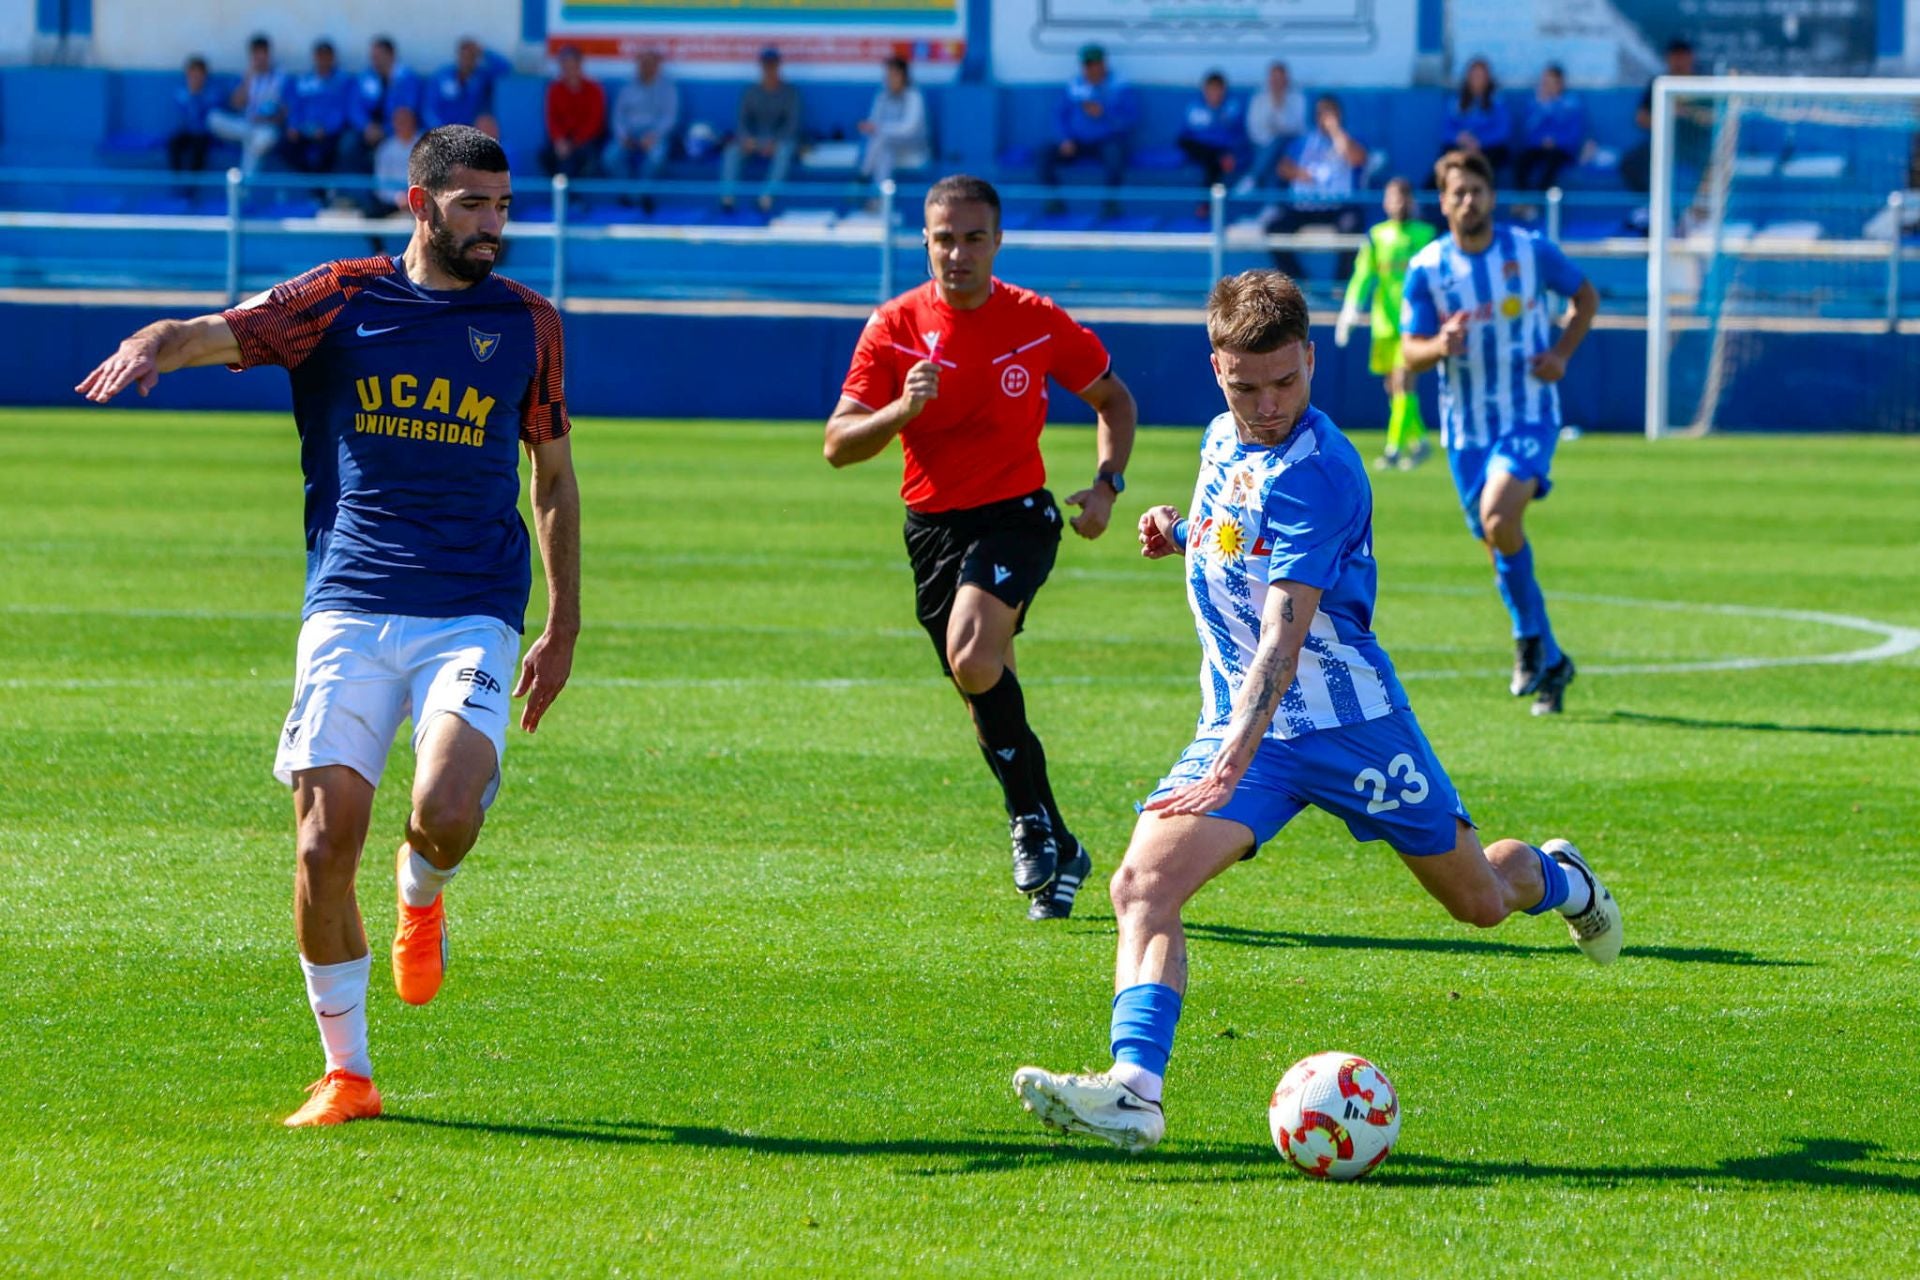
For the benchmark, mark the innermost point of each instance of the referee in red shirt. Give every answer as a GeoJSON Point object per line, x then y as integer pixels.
{"type": "Point", "coordinates": [957, 368]}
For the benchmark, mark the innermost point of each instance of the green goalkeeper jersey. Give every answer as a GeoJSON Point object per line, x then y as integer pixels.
{"type": "Point", "coordinates": [1382, 268]}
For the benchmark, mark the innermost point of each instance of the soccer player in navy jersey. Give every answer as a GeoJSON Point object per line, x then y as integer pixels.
{"type": "Point", "coordinates": [1476, 304]}
{"type": "Point", "coordinates": [415, 381]}
{"type": "Point", "coordinates": [1299, 706]}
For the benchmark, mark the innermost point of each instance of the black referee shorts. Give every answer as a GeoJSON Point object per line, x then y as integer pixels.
{"type": "Point", "coordinates": [1005, 548]}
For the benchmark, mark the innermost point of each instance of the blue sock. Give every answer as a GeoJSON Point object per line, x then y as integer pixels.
{"type": "Point", "coordinates": [1144, 1017]}
{"type": "Point", "coordinates": [1525, 605]}
{"type": "Point", "coordinates": [1556, 877]}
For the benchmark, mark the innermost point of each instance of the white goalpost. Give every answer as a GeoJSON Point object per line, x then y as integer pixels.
{"type": "Point", "coordinates": [1778, 220]}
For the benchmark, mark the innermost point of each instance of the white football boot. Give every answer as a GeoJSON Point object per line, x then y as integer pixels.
{"type": "Point", "coordinates": [1096, 1105]}
{"type": "Point", "coordinates": [1596, 931]}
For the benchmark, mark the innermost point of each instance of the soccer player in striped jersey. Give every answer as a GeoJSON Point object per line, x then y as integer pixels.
{"type": "Point", "coordinates": [417, 381]}
{"type": "Point", "coordinates": [1299, 705]}
{"type": "Point", "coordinates": [1477, 305]}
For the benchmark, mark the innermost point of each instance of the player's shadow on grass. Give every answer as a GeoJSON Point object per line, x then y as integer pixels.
{"type": "Point", "coordinates": [1753, 726]}
{"type": "Point", "coordinates": [1806, 1162]}
{"type": "Point", "coordinates": [1471, 946]}
{"type": "Point", "coordinates": [1809, 1162]}
{"type": "Point", "coordinates": [953, 1155]}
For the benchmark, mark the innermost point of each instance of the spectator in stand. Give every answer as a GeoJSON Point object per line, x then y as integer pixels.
{"type": "Point", "coordinates": [1094, 121]}
{"type": "Point", "coordinates": [1476, 122]}
{"type": "Point", "coordinates": [390, 160]}
{"type": "Point", "coordinates": [1214, 128]}
{"type": "Point", "coordinates": [257, 109]}
{"type": "Point", "coordinates": [576, 120]}
{"type": "Point", "coordinates": [769, 125]}
{"type": "Point", "coordinates": [1554, 134]}
{"type": "Point", "coordinates": [462, 91]}
{"type": "Point", "coordinates": [644, 116]}
{"type": "Point", "coordinates": [193, 102]}
{"type": "Point", "coordinates": [1276, 120]}
{"type": "Point", "coordinates": [1322, 172]}
{"type": "Point", "coordinates": [383, 88]}
{"type": "Point", "coordinates": [896, 125]}
{"type": "Point", "coordinates": [317, 113]}
{"type": "Point", "coordinates": [1691, 134]}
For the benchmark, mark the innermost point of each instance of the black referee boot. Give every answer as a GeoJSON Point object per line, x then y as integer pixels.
{"type": "Point", "coordinates": [1055, 902]}
{"type": "Point", "coordinates": [1036, 855]}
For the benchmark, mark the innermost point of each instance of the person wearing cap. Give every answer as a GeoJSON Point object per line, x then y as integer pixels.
{"type": "Point", "coordinates": [1094, 121]}
{"type": "Point", "coordinates": [769, 125]}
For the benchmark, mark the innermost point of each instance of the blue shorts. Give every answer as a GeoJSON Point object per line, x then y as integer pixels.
{"type": "Point", "coordinates": [1379, 777]}
{"type": "Point", "coordinates": [1526, 454]}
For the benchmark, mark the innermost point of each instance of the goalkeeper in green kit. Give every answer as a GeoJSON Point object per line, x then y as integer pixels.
{"type": "Point", "coordinates": [1382, 269]}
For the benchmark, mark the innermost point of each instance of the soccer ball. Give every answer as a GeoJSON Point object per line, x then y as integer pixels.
{"type": "Point", "coordinates": [1334, 1115]}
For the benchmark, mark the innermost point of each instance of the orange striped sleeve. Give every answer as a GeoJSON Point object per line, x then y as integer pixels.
{"type": "Point", "coordinates": [543, 414]}
{"type": "Point", "coordinates": [284, 325]}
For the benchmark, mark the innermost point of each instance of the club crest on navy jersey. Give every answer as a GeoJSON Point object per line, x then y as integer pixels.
{"type": "Point", "coordinates": [483, 344]}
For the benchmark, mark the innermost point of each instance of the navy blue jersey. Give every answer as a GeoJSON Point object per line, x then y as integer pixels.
{"type": "Point", "coordinates": [411, 405]}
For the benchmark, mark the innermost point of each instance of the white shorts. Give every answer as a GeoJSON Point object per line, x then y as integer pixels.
{"type": "Point", "coordinates": [359, 675]}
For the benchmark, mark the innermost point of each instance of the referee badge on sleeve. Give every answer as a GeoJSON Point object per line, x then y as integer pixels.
{"type": "Point", "coordinates": [483, 344]}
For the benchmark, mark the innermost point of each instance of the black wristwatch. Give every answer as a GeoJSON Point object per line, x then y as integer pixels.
{"type": "Point", "coordinates": [1115, 481]}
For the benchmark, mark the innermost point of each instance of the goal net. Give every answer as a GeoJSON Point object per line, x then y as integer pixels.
{"type": "Point", "coordinates": [1783, 228]}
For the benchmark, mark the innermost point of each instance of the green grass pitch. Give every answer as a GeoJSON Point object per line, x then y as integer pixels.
{"type": "Point", "coordinates": [739, 977]}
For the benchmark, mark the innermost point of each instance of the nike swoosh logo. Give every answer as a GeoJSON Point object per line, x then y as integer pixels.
{"type": "Point", "coordinates": [365, 332]}
{"type": "Point", "coordinates": [1126, 1103]}
{"type": "Point", "coordinates": [343, 1013]}
{"type": "Point", "coordinates": [477, 706]}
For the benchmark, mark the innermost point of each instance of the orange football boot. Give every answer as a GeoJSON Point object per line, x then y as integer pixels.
{"type": "Point", "coordinates": [337, 1097]}
{"type": "Point", "coordinates": [419, 945]}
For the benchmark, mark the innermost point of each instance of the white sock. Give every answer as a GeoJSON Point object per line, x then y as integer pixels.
{"type": "Point", "coordinates": [421, 881]}
{"type": "Point", "coordinates": [338, 996]}
{"type": "Point", "coordinates": [1579, 893]}
{"type": "Point", "coordinates": [1137, 1078]}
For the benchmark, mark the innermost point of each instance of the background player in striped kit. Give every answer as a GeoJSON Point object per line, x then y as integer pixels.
{"type": "Point", "coordinates": [1299, 705]}
{"type": "Point", "coordinates": [1477, 304]}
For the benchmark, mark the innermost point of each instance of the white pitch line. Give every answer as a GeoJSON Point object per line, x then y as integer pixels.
{"type": "Point", "coordinates": [1894, 641]}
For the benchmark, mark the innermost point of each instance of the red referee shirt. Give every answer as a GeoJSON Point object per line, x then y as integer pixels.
{"type": "Point", "coordinates": [979, 440]}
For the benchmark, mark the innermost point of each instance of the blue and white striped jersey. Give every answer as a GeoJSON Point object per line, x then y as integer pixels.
{"type": "Point", "coordinates": [1301, 511]}
{"type": "Point", "coordinates": [1488, 392]}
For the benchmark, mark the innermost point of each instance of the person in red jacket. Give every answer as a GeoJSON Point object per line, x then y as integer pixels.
{"type": "Point", "coordinates": [576, 120]}
{"type": "Point", "coordinates": [958, 370]}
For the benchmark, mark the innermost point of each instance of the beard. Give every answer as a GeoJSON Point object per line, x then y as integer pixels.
{"type": "Point", "coordinates": [450, 254]}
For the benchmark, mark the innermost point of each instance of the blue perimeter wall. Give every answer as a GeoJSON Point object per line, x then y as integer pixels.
{"type": "Point", "coordinates": [677, 366]}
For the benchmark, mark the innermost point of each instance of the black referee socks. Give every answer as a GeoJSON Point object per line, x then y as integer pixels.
{"type": "Point", "coordinates": [1000, 715]}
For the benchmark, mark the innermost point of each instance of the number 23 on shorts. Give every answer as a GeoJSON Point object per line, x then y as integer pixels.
{"type": "Point", "coordinates": [1400, 769]}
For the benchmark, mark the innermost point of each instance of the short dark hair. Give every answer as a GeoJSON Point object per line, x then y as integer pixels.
{"type": "Point", "coordinates": [568, 51]}
{"type": "Point", "coordinates": [324, 44]}
{"type": "Point", "coordinates": [898, 63]}
{"type": "Point", "coordinates": [1256, 312]}
{"type": "Point", "coordinates": [1473, 162]}
{"type": "Point", "coordinates": [1679, 44]}
{"type": "Point", "coordinates": [259, 41]}
{"type": "Point", "coordinates": [964, 188]}
{"type": "Point", "coordinates": [1405, 184]}
{"type": "Point", "coordinates": [383, 42]}
{"type": "Point", "coordinates": [1215, 77]}
{"type": "Point", "coordinates": [452, 146]}
{"type": "Point", "coordinates": [196, 61]}
{"type": "Point", "coordinates": [1555, 70]}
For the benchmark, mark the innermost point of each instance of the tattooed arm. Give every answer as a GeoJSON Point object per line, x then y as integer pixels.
{"type": "Point", "coordinates": [1283, 629]}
